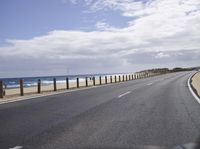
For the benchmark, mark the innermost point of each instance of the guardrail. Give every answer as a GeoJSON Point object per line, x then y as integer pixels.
{"type": "Point", "coordinates": [93, 81]}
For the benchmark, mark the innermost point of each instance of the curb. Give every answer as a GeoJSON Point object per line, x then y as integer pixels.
{"type": "Point", "coordinates": [191, 88]}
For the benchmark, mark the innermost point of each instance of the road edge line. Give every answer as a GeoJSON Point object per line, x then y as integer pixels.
{"type": "Point", "coordinates": [191, 90]}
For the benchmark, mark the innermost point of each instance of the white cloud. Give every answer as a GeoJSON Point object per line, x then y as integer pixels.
{"type": "Point", "coordinates": [162, 55]}
{"type": "Point", "coordinates": [103, 26]}
{"type": "Point", "coordinates": [157, 26]}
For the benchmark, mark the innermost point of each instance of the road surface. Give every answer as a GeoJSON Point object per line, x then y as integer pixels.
{"type": "Point", "coordinates": [156, 111]}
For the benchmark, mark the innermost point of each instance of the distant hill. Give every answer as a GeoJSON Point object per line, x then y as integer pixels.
{"type": "Point", "coordinates": [177, 69]}
{"type": "Point", "coordinates": [167, 70]}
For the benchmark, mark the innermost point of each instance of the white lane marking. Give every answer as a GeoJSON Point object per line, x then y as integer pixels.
{"type": "Point", "coordinates": [124, 94]}
{"type": "Point", "coordinates": [191, 90]}
{"type": "Point", "coordinates": [149, 84]}
{"type": "Point", "coordinates": [17, 147]}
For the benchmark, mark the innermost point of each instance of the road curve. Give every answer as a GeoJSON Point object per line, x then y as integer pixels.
{"type": "Point", "coordinates": [156, 111]}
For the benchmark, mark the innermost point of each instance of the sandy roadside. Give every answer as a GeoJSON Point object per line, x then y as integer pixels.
{"type": "Point", "coordinates": [60, 86]}
{"type": "Point", "coordinates": [31, 92]}
{"type": "Point", "coordinates": [46, 90]}
{"type": "Point", "coordinates": [196, 82]}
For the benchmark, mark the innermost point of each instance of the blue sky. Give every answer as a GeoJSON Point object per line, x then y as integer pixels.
{"type": "Point", "coordinates": [48, 37]}
{"type": "Point", "coordinates": [24, 19]}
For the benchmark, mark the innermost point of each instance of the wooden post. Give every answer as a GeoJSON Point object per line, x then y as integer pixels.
{"type": "Point", "coordinates": [123, 78]}
{"type": "Point", "coordinates": [67, 83]}
{"type": "Point", "coordinates": [119, 78]}
{"type": "Point", "coordinates": [21, 82]}
{"type": "Point", "coordinates": [39, 86]}
{"type": "Point", "coordinates": [86, 81]}
{"type": "Point", "coordinates": [94, 81]}
{"type": "Point", "coordinates": [54, 84]}
{"type": "Point", "coordinates": [1, 89]}
{"type": "Point", "coordinates": [77, 82]}
{"type": "Point", "coordinates": [110, 79]}
{"type": "Point", "coordinates": [115, 79]}
{"type": "Point", "coordinates": [106, 81]}
{"type": "Point", "coordinates": [100, 80]}
{"type": "Point", "coordinates": [126, 78]}
{"type": "Point", "coordinates": [132, 77]}
{"type": "Point", "coordinates": [129, 77]}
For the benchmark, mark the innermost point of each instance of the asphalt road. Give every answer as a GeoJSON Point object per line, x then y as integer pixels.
{"type": "Point", "coordinates": [156, 111]}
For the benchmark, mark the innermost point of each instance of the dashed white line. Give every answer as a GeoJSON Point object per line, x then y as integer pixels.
{"type": "Point", "coordinates": [149, 84]}
{"type": "Point", "coordinates": [124, 94]}
{"type": "Point", "coordinates": [17, 147]}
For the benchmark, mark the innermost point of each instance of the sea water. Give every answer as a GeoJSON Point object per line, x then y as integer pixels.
{"type": "Point", "coordinates": [47, 80]}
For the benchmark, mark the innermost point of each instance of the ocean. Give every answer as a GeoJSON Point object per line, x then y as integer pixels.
{"type": "Point", "coordinates": [46, 80]}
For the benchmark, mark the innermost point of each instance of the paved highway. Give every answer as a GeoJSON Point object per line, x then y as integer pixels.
{"type": "Point", "coordinates": [150, 112]}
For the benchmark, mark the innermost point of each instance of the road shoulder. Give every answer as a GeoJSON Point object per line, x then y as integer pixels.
{"type": "Point", "coordinates": [194, 86]}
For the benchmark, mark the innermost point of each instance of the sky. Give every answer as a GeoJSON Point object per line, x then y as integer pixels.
{"type": "Point", "coordinates": [60, 37]}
